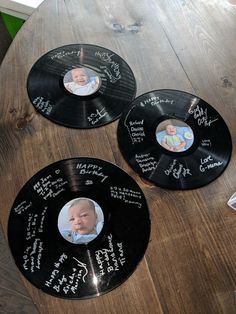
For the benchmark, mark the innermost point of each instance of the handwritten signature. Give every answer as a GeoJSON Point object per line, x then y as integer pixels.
{"type": "Point", "coordinates": [82, 265]}
{"type": "Point", "coordinates": [97, 116]}
{"type": "Point", "coordinates": [201, 115]}
{"type": "Point", "coordinates": [208, 163]}
{"type": "Point", "coordinates": [177, 170]}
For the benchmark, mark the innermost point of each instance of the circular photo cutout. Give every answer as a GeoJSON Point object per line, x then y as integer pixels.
{"type": "Point", "coordinates": [82, 81]}
{"type": "Point", "coordinates": [80, 221]}
{"type": "Point", "coordinates": [174, 135]}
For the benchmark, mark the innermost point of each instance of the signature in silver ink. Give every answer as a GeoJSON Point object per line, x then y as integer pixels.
{"type": "Point", "coordinates": [97, 116]}
{"type": "Point", "coordinates": [82, 265]}
{"type": "Point", "coordinates": [201, 115]}
{"type": "Point", "coordinates": [177, 170]}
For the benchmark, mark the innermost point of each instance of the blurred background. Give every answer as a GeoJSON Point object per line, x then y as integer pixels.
{"type": "Point", "coordinates": [5, 39]}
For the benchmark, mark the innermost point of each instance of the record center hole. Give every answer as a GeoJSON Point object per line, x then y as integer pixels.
{"type": "Point", "coordinates": [82, 81]}
{"type": "Point", "coordinates": [174, 135]}
{"type": "Point", "coordinates": [80, 220]}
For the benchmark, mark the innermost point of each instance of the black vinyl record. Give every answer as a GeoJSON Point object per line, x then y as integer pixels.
{"type": "Point", "coordinates": [81, 85]}
{"type": "Point", "coordinates": [78, 228]}
{"type": "Point", "coordinates": [174, 139]}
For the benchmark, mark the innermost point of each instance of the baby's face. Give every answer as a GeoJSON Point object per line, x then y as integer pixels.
{"type": "Point", "coordinates": [79, 76]}
{"type": "Point", "coordinates": [82, 218]}
{"type": "Point", "coordinates": [171, 129]}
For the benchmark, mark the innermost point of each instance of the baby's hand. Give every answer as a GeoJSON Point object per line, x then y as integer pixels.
{"type": "Point", "coordinates": [177, 148]}
{"type": "Point", "coordinates": [67, 86]}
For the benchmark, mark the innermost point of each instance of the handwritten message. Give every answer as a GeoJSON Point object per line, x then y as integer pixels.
{"type": "Point", "coordinates": [69, 282]}
{"type": "Point", "coordinates": [206, 143]}
{"type": "Point", "coordinates": [50, 187]}
{"type": "Point", "coordinates": [95, 117]}
{"type": "Point", "coordinates": [177, 170]}
{"type": "Point", "coordinates": [113, 79]}
{"type": "Point", "coordinates": [112, 69]}
{"type": "Point", "coordinates": [63, 54]}
{"type": "Point", "coordinates": [91, 169]}
{"type": "Point", "coordinates": [32, 256]}
{"type": "Point", "coordinates": [111, 258]}
{"type": "Point", "coordinates": [156, 101]}
{"type": "Point", "coordinates": [208, 163]}
{"type": "Point", "coordinates": [136, 130]}
{"type": "Point", "coordinates": [22, 207]}
{"type": "Point", "coordinates": [127, 195]}
{"type": "Point", "coordinates": [146, 162]}
{"type": "Point", "coordinates": [35, 224]}
{"type": "Point", "coordinates": [33, 253]}
{"type": "Point", "coordinates": [44, 105]}
{"type": "Point", "coordinates": [201, 115]}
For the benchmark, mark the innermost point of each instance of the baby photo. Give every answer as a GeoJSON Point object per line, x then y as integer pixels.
{"type": "Point", "coordinates": [174, 135]}
{"type": "Point", "coordinates": [80, 221]}
{"type": "Point", "coordinates": [81, 81]}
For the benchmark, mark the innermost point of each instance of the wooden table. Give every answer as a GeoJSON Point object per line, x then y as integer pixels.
{"type": "Point", "coordinates": [189, 266]}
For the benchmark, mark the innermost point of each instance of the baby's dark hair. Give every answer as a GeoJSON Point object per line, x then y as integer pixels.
{"type": "Point", "coordinates": [79, 200]}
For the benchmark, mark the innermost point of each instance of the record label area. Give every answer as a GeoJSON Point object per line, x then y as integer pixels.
{"type": "Point", "coordinates": [82, 81]}
{"type": "Point", "coordinates": [174, 139]}
{"type": "Point", "coordinates": [174, 135]}
{"type": "Point", "coordinates": [80, 220]}
{"type": "Point", "coordinates": [81, 85]}
{"type": "Point", "coordinates": [79, 228]}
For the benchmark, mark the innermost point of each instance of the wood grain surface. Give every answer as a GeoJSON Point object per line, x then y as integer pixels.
{"type": "Point", "coordinates": [189, 45]}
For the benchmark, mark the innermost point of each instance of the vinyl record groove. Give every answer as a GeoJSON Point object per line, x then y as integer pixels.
{"type": "Point", "coordinates": [81, 85]}
{"type": "Point", "coordinates": [105, 206]}
{"type": "Point", "coordinates": [174, 139]}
